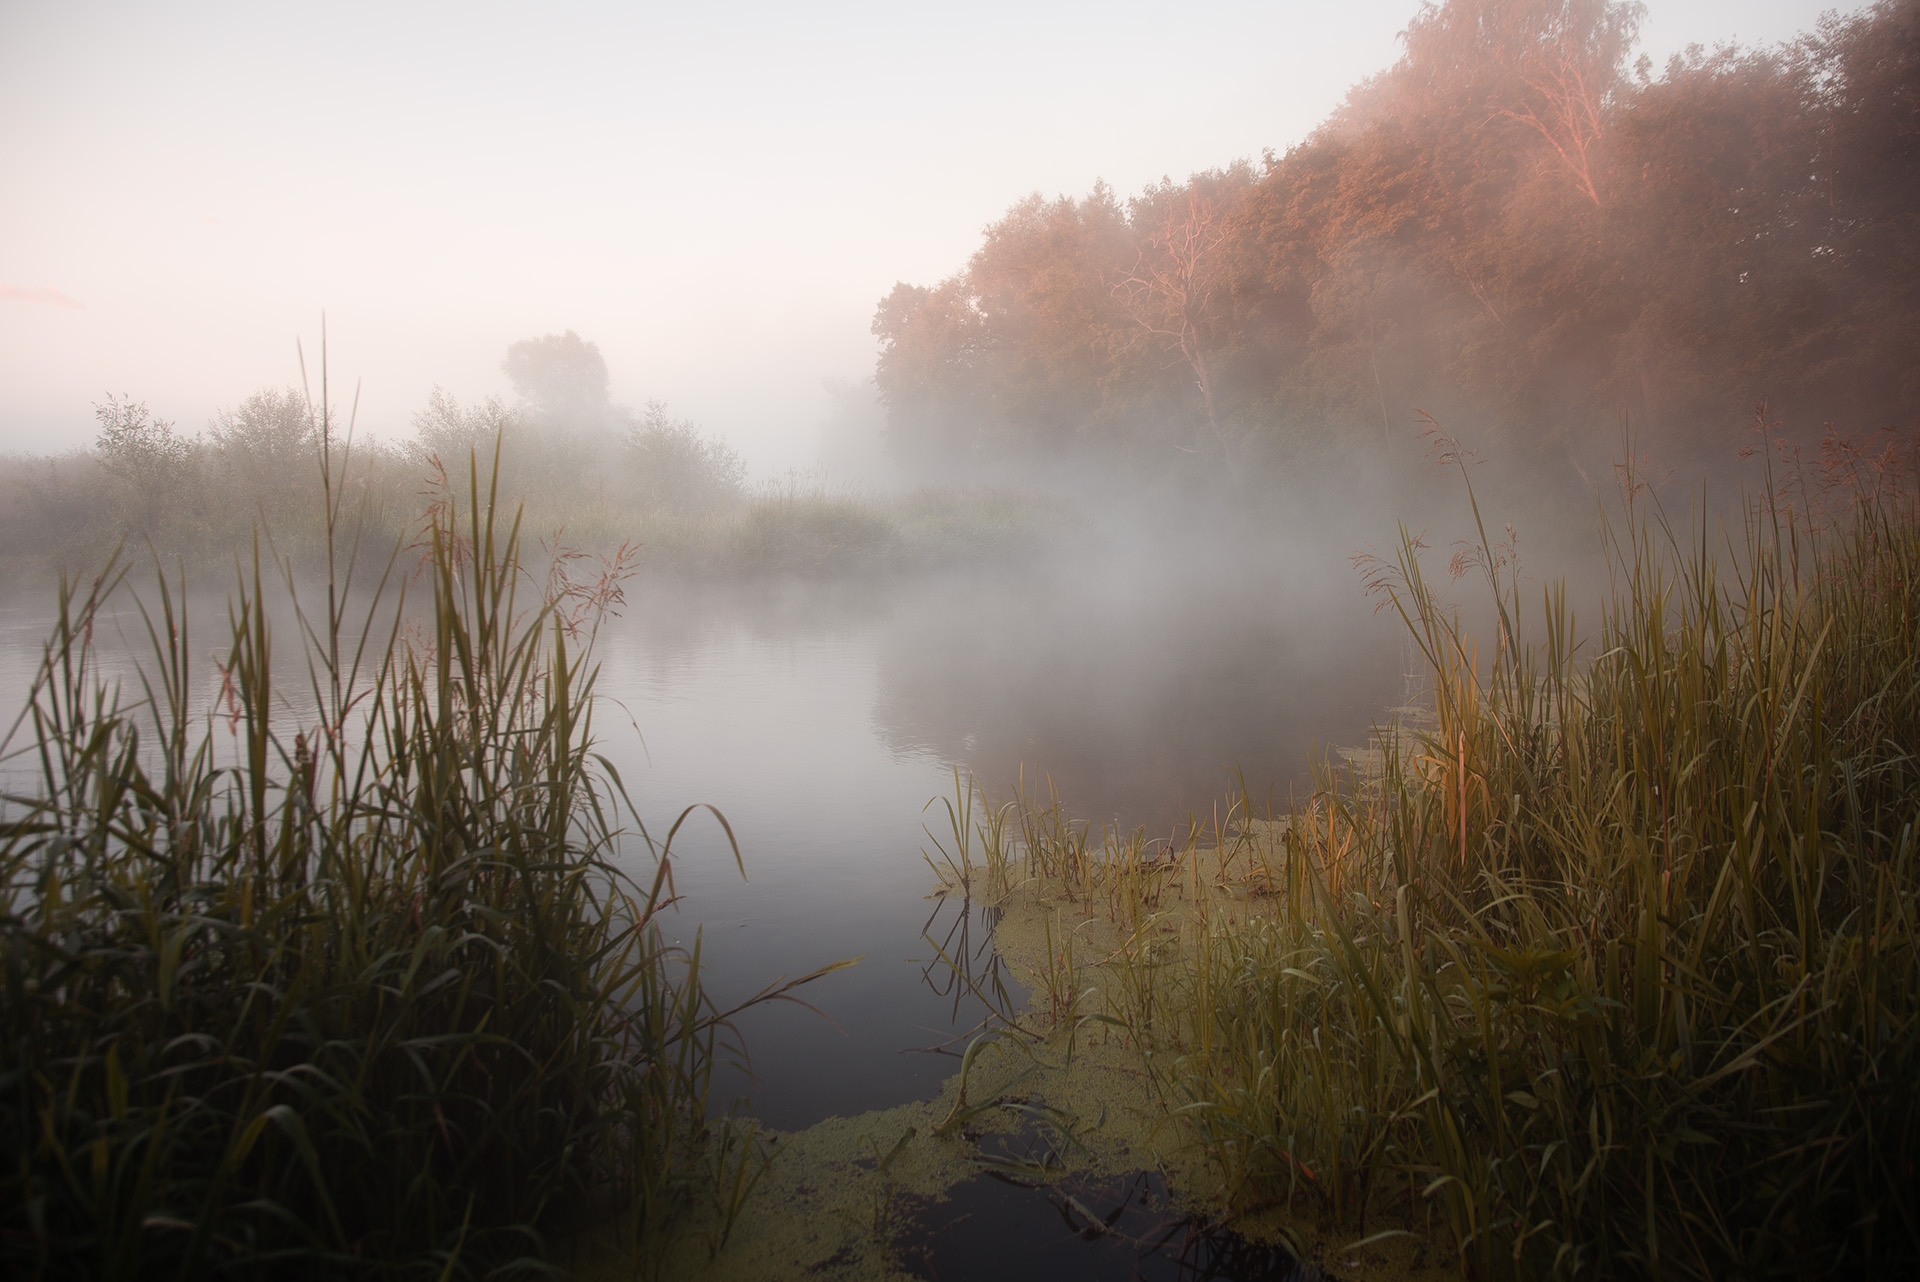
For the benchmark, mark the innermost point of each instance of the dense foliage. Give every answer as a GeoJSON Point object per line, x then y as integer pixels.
{"type": "Point", "coordinates": [1516, 225]}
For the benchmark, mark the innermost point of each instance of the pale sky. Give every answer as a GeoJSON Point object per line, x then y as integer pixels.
{"type": "Point", "coordinates": [718, 195]}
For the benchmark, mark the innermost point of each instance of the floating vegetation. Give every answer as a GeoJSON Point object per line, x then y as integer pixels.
{"type": "Point", "coordinates": [1052, 1149]}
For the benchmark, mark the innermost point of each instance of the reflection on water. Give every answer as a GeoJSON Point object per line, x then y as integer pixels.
{"type": "Point", "coordinates": [1136, 690]}
{"type": "Point", "coordinates": [122, 649]}
{"type": "Point", "coordinates": [1013, 1230]}
{"type": "Point", "coordinates": [963, 964]}
{"type": "Point", "coordinates": [820, 718]}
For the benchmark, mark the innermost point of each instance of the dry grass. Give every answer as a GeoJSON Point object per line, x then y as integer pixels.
{"type": "Point", "coordinates": [1610, 965]}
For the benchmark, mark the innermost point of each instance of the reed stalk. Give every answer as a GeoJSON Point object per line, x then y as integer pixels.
{"type": "Point", "coordinates": [361, 990]}
{"type": "Point", "coordinates": [1611, 966]}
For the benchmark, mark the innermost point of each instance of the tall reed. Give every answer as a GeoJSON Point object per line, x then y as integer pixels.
{"type": "Point", "coordinates": [1616, 968]}
{"type": "Point", "coordinates": [360, 991]}
{"type": "Point", "coordinates": [1608, 966]}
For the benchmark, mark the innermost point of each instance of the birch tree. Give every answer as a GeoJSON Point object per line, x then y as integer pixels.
{"type": "Point", "coordinates": [1176, 286]}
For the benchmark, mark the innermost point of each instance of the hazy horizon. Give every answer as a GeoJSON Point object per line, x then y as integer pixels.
{"type": "Point", "coordinates": [717, 199]}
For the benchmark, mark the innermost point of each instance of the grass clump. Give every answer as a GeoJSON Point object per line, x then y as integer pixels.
{"type": "Point", "coordinates": [1609, 964]}
{"type": "Point", "coordinates": [358, 989]}
{"type": "Point", "coordinates": [1615, 967]}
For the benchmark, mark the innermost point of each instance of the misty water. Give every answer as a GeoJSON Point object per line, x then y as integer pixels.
{"type": "Point", "coordinates": [821, 717]}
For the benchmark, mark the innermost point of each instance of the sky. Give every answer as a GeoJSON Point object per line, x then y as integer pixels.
{"type": "Point", "coordinates": [718, 195]}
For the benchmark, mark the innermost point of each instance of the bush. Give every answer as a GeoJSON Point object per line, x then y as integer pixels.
{"type": "Point", "coordinates": [677, 467]}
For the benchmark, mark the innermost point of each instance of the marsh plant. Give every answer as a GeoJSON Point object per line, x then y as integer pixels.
{"type": "Point", "coordinates": [360, 991]}
{"type": "Point", "coordinates": [1609, 964]}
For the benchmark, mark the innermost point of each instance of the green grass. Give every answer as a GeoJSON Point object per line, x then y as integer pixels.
{"type": "Point", "coordinates": [362, 991]}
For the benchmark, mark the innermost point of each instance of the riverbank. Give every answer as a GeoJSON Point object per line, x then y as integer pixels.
{"type": "Point", "coordinates": [342, 979]}
{"type": "Point", "coordinates": [70, 512]}
{"type": "Point", "coordinates": [1599, 964]}
{"type": "Point", "coordinates": [1055, 1148]}
{"type": "Point", "coordinates": [1607, 964]}
{"type": "Point", "coordinates": [1604, 961]}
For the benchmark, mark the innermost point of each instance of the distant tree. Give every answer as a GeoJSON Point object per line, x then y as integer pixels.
{"type": "Point", "coordinates": [561, 377]}
{"type": "Point", "coordinates": [451, 433]}
{"type": "Point", "coordinates": [266, 445]}
{"type": "Point", "coordinates": [135, 445]}
{"type": "Point", "coordinates": [1041, 285]}
{"type": "Point", "coordinates": [1555, 68]}
{"type": "Point", "coordinates": [1174, 291]}
{"type": "Point", "coordinates": [675, 465]}
{"type": "Point", "coordinates": [561, 468]}
{"type": "Point", "coordinates": [150, 460]}
{"type": "Point", "coordinates": [268, 424]}
{"type": "Point", "coordinates": [853, 434]}
{"type": "Point", "coordinates": [1868, 66]}
{"type": "Point", "coordinates": [1509, 228]}
{"type": "Point", "coordinates": [1271, 262]}
{"type": "Point", "coordinates": [929, 373]}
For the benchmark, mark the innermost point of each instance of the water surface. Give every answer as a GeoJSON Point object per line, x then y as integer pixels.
{"type": "Point", "coordinates": [822, 717]}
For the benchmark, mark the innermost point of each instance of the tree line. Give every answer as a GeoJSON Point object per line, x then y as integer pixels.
{"type": "Point", "coordinates": [1518, 228]}
{"type": "Point", "coordinates": [584, 467]}
{"type": "Point", "coordinates": [640, 490]}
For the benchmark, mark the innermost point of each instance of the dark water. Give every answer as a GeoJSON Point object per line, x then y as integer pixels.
{"type": "Point", "coordinates": [991, 1227]}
